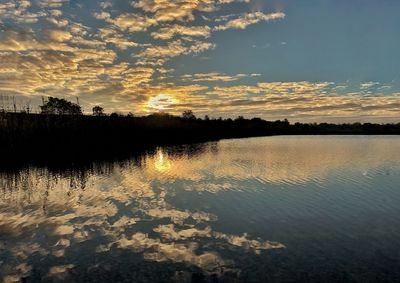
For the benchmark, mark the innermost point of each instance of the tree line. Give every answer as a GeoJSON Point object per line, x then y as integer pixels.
{"type": "Point", "coordinates": [62, 131]}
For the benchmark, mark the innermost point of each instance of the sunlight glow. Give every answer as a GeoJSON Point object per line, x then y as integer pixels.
{"type": "Point", "coordinates": [161, 102]}
{"type": "Point", "coordinates": [162, 163]}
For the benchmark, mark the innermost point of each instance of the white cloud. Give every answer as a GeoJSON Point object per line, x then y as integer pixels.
{"type": "Point", "coordinates": [245, 20]}
{"type": "Point", "coordinates": [169, 32]}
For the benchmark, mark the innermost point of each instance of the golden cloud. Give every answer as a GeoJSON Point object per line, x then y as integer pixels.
{"type": "Point", "coordinates": [249, 19]}
{"type": "Point", "coordinates": [169, 32]}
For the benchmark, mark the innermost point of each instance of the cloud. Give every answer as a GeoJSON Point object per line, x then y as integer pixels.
{"type": "Point", "coordinates": [52, 3]}
{"type": "Point", "coordinates": [174, 49]}
{"type": "Point", "coordinates": [109, 35]}
{"type": "Point", "coordinates": [59, 35]}
{"type": "Point", "coordinates": [198, 47]}
{"type": "Point", "coordinates": [249, 19]}
{"type": "Point", "coordinates": [158, 12]}
{"type": "Point", "coordinates": [122, 55]}
{"type": "Point", "coordinates": [169, 32]}
{"type": "Point", "coordinates": [18, 11]}
{"type": "Point", "coordinates": [105, 4]}
{"type": "Point", "coordinates": [213, 77]}
{"type": "Point", "coordinates": [58, 22]}
{"type": "Point", "coordinates": [102, 16]}
{"type": "Point", "coordinates": [127, 21]}
{"type": "Point", "coordinates": [131, 22]}
{"type": "Point", "coordinates": [293, 100]}
{"type": "Point", "coordinates": [180, 10]}
{"type": "Point", "coordinates": [26, 41]}
{"type": "Point", "coordinates": [369, 85]}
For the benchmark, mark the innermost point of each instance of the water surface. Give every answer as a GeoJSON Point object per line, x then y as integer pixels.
{"type": "Point", "coordinates": [273, 209]}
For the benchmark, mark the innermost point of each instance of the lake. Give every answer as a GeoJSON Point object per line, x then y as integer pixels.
{"type": "Point", "coordinates": [271, 209]}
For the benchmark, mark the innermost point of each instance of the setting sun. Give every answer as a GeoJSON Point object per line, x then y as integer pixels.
{"type": "Point", "coordinates": [200, 141]}
{"type": "Point", "coordinates": [161, 102]}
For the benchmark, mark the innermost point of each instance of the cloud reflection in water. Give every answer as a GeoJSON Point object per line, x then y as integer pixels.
{"type": "Point", "coordinates": [124, 217]}
{"type": "Point", "coordinates": [49, 215]}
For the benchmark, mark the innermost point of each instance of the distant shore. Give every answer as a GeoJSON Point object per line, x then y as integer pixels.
{"type": "Point", "coordinates": [31, 137]}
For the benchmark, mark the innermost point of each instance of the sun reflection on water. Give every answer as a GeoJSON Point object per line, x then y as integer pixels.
{"type": "Point", "coordinates": [162, 162]}
{"type": "Point", "coordinates": [132, 206]}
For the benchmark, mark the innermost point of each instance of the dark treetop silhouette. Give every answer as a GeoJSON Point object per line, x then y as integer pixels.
{"type": "Point", "coordinates": [61, 131]}
{"type": "Point", "coordinates": [98, 111]}
{"type": "Point", "coordinates": [60, 106]}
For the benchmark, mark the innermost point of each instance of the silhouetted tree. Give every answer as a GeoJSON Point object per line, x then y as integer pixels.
{"type": "Point", "coordinates": [98, 111]}
{"type": "Point", "coordinates": [188, 115]}
{"type": "Point", "coordinates": [206, 118]}
{"type": "Point", "coordinates": [61, 107]}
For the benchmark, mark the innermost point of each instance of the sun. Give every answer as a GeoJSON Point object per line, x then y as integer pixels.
{"type": "Point", "coordinates": [161, 102]}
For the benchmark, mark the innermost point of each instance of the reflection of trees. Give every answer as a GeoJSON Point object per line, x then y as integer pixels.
{"type": "Point", "coordinates": [56, 221]}
{"type": "Point", "coordinates": [102, 163]}
{"type": "Point", "coordinates": [26, 183]}
{"type": "Point", "coordinates": [27, 180]}
{"type": "Point", "coordinates": [186, 150]}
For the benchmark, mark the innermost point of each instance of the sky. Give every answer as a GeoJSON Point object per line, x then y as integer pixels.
{"type": "Point", "coordinates": [304, 60]}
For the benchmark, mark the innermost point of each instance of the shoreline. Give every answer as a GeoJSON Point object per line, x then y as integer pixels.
{"type": "Point", "coordinates": [38, 138]}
